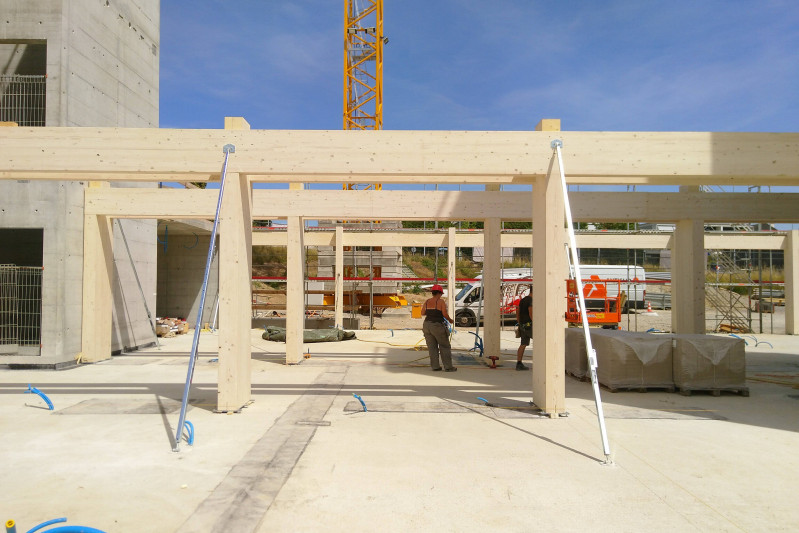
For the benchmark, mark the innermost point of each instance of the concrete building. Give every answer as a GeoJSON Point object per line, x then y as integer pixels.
{"type": "Point", "coordinates": [182, 254]}
{"type": "Point", "coordinates": [73, 63]}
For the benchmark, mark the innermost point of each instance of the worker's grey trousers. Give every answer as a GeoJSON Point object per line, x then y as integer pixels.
{"type": "Point", "coordinates": [436, 336]}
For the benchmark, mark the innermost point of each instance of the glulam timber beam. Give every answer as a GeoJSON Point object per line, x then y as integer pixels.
{"type": "Point", "coordinates": [792, 283]}
{"type": "Point", "coordinates": [492, 291]}
{"type": "Point", "coordinates": [449, 205]}
{"type": "Point", "coordinates": [620, 241]}
{"type": "Point", "coordinates": [549, 290]}
{"type": "Point", "coordinates": [460, 157]}
{"type": "Point", "coordinates": [98, 273]}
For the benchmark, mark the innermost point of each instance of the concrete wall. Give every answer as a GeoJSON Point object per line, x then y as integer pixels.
{"type": "Point", "coordinates": [102, 70]}
{"type": "Point", "coordinates": [181, 266]}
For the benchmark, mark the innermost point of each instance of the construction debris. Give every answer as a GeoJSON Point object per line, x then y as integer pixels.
{"type": "Point", "coordinates": [169, 327]}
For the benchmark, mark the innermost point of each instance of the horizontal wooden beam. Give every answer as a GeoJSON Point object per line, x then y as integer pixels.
{"type": "Point", "coordinates": [670, 207]}
{"type": "Point", "coordinates": [400, 156]}
{"type": "Point", "coordinates": [517, 206]}
{"type": "Point", "coordinates": [152, 203]}
{"type": "Point", "coordinates": [449, 205]}
{"type": "Point", "coordinates": [654, 241]}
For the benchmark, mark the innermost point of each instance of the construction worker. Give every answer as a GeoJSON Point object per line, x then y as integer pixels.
{"type": "Point", "coordinates": [435, 330]}
{"type": "Point", "coordinates": [524, 317]}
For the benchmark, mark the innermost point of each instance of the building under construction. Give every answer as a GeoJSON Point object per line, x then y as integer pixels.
{"type": "Point", "coordinates": [92, 249]}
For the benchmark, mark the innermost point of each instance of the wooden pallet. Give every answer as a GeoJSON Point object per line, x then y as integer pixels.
{"type": "Point", "coordinates": [641, 388]}
{"type": "Point", "coordinates": [743, 391]}
{"type": "Point", "coordinates": [586, 377]}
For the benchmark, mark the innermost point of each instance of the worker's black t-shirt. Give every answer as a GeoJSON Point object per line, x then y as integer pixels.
{"type": "Point", "coordinates": [524, 310]}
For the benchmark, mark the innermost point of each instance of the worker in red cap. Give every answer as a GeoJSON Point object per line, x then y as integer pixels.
{"type": "Point", "coordinates": [435, 330]}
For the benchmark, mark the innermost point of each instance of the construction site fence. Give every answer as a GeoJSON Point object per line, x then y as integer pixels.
{"type": "Point", "coordinates": [23, 99]}
{"type": "Point", "coordinates": [20, 309]}
{"type": "Point", "coordinates": [757, 315]}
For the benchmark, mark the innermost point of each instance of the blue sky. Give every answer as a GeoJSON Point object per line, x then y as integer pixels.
{"type": "Point", "coordinates": [501, 65]}
{"type": "Point", "coordinates": [615, 65]}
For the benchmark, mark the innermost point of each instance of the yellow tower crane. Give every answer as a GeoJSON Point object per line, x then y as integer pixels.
{"type": "Point", "coordinates": [363, 69]}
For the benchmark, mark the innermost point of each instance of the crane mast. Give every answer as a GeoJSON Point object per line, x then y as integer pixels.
{"type": "Point", "coordinates": [363, 69]}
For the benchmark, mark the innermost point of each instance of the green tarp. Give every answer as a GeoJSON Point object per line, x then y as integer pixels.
{"type": "Point", "coordinates": [274, 333]}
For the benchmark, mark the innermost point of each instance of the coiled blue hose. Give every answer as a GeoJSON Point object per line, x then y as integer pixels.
{"type": "Point", "coordinates": [64, 529]}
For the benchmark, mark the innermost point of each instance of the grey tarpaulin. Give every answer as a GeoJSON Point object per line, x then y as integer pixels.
{"type": "Point", "coordinates": [274, 333]}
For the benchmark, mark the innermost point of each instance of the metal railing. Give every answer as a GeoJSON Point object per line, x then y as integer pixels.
{"type": "Point", "coordinates": [23, 99]}
{"type": "Point", "coordinates": [20, 309]}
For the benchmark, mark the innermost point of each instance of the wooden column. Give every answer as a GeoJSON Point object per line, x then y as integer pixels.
{"type": "Point", "coordinates": [339, 277]}
{"type": "Point", "coordinates": [792, 283]}
{"type": "Point", "coordinates": [98, 269]}
{"type": "Point", "coordinates": [451, 256]}
{"type": "Point", "coordinates": [235, 287]}
{"type": "Point", "coordinates": [235, 293]}
{"type": "Point", "coordinates": [550, 269]}
{"type": "Point", "coordinates": [492, 263]}
{"type": "Point", "coordinates": [295, 290]}
{"type": "Point", "coordinates": [688, 277]}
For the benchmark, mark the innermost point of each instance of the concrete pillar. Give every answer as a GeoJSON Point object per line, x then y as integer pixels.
{"type": "Point", "coordinates": [339, 277]}
{"type": "Point", "coordinates": [550, 269]}
{"type": "Point", "coordinates": [451, 256]}
{"type": "Point", "coordinates": [235, 293]}
{"type": "Point", "coordinates": [98, 270]}
{"type": "Point", "coordinates": [295, 290]}
{"type": "Point", "coordinates": [688, 277]}
{"type": "Point", "coordinates": [492, 262]}
{"type": "Point", "coordinates": [792, 283]}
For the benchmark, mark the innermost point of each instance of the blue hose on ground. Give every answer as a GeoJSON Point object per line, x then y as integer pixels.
{"type": "Point", "coordinates": [737, 337]}
{"type": "Point", "coordinates": [360, 400]}
{"type": "Point", "coordinates": [190, 427]}
{"type": "Point", "coordinates": [48, 523]}
{"type": "Point", "coordinates": [478, 343]}
{"type": "Point", "coordinates": [74, 529]}
{"type": "Point", "coordinates": [34, 390]}
{"type": "Point", "coordinates": [60, 529]}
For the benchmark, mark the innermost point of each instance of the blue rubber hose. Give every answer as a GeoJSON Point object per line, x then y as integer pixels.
{"type": "Point", "coordinates": [190, 428]}
{"type": "Point", "coordinates": [34, 390]}
{"type": "Point", "coordinates": [360, 400]}
{"type": "Point", "coordinates": [48, 523]}
{"type": "Point", "coordinates": [62, 529]}
{"type": "Point", "coordinates": [74, 529]}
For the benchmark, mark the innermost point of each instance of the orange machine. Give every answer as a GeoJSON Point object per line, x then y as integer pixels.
{"type": "Point", "coordinates": [602, 310]}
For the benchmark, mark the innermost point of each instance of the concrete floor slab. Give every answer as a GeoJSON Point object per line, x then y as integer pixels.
{"type": "Point", "coordinates": [302, 457]}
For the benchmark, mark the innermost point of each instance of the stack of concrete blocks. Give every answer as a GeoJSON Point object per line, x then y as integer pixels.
{"type": "Point", "coordinates": [101, 62]}
{"type": "Point", "coordinates": [703, 362]}
{"type": "Point", "coordinates": [629, 360]}
{"type": "Point", "coordinates": [624, 359]}
{"type": "Point", "coordinates": [576, 358]}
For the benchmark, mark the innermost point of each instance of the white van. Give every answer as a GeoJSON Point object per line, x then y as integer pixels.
{"type": "Point", "coordinates": [516, 284]}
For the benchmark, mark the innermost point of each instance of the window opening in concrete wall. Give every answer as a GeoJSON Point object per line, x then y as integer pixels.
{"type": "Point", "coordinates": [23, 81]}
{"type": "Point", "coordinates": [21, 254]}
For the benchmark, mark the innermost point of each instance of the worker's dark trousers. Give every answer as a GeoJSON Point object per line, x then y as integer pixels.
{"type": "Point", "coordinates": [436, 336]}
